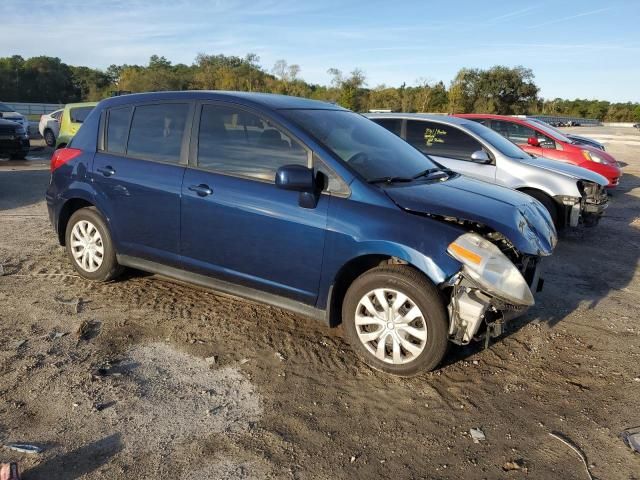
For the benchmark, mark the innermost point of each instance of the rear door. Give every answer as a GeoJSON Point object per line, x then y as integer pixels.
{"type": "Point", "coordinates": [236, 224]}
{"type": "Point", "coordinates": [138, 172]}
{"type": "Point", "coordinates": [449, 146]}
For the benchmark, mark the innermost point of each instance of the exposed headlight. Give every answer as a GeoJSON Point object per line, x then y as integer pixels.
{"type": "Point", "coordinates": [491, 269]}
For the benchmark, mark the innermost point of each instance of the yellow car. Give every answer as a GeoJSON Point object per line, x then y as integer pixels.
{"type": "Point", "coordinates": [71, 120]}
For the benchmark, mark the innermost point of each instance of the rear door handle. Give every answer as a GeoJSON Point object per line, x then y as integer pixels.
{"type": "Point", "coordinates": [202, 190]}
{"type": "Point", "coordinates": [107, 171]}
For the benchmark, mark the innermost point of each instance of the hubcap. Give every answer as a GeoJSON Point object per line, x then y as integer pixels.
{"type": "Point", "coordinates": [391, 326]}
{"type": "Point", "coordinates": [86, 246]}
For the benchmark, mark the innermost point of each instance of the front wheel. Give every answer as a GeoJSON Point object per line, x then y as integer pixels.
{"type": "Point", "coordinates": [90, 247]}
{"type": "Point", "coordinates": [395, 320]}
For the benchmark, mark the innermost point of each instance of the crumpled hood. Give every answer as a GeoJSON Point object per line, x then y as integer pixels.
{"type": "Point", "coordinates": [574, 171]}
{"type": "Point", "coordinates": [519, 217]}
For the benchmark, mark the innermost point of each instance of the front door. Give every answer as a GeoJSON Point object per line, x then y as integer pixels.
{"type": "Point", "coordinates": [236, 224]}
{"type": "Point", "coordinates": [450, 146]}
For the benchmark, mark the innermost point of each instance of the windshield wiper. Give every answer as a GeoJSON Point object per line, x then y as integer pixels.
{"type": "Point", "coordinates": [428, 172]}
{"type": "Point", "coordinates": [390, 180]}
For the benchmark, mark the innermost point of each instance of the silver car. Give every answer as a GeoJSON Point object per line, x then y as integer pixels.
{"type": "Point", "coordinates": [573, 195]}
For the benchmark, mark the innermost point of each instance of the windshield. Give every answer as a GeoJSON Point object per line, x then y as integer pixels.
{"type": "Point", "coordinates": [502, 144]}
{"type": "Point", "coordinates": [549, 131]}
{"type": "Point", "coordinates": [5, 108]}
{"type": "Point", "coordinates": [371, 150]}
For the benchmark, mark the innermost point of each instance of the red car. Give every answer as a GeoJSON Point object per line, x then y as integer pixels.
{"type": "Point", "coordinates": [537, 139]}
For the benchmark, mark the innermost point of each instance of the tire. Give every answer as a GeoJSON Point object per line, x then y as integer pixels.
{"type": "Point", "coordinates": [98, 266]}
{"type": "Point", "coordinates": [548, 203]}
{"type": "Point", "coordinates": [49, 138]}
{"type": "Point", "coordinates": [18, 156]}
{"type": "Point", "coordinates": [423, 354]}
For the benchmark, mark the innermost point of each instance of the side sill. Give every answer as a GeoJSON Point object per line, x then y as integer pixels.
{"type": "Point", "coordinates": [227, 288]}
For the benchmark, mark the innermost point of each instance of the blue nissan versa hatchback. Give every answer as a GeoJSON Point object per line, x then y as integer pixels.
{"type": "Point", "coordinates": [302, 205]}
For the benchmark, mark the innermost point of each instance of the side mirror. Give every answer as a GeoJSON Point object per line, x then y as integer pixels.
{"type": "Point", "coordinates": [533, 141]}
{"type": "Point", "coordinates": [480, 156]}
{"type": "Point", "coordinates": [0, 114]}
{"type": "Point", "coordinates": [296, 178]}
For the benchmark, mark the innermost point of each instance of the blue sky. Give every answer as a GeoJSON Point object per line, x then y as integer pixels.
{"type": "Point", "coordinates": [577, 49]}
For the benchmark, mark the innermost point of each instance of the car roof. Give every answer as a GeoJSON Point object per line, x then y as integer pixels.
{"type": "Point", "coordinates": [269, 100]}
{"type": "Point", "coordinates": [80, 104]}
{"type": "Point", "coordinates": [421, 116]}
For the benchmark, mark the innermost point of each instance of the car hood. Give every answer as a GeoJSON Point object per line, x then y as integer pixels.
{"type": "Point", "coordinates": [12, 116]}
{"type": "Point", "coordinates": [519, 217]}
{"type": "Point", "coordinates": [573, 171]}
{"type": "Point", "coordinates": [580, 138]}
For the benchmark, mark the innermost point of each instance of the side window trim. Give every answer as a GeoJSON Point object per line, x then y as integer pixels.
{"type": "Point", "coordinates": [104, 130]}
{"type": "Point", "coordinates": [184, 145]}
{"type": "Point", "coordinates": [195, 131]}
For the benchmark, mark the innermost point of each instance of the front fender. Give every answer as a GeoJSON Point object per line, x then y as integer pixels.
{"type": "Point", "coordinates": [358, 229]}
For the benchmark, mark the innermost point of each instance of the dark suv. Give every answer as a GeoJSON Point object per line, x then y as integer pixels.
{"type": "Point", "coordinates": [302, 205]}
{"type": "Point", "coordinates": [14, 140]}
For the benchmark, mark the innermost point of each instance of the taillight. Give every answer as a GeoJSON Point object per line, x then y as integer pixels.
{"type": "Point", "coordinates": [62, 156]}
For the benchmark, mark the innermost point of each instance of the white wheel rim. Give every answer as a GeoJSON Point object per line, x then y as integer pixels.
{"type": "Point", "coordinates": [86, 246]}
{"type": "Point", "coordinates": [391, 326]}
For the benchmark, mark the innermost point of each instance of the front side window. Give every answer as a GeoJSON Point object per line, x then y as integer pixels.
{"type": "Point", "coordinates": [157, 131]}
{"type": "Point", "coordinates": [118, 129]}
{"type": "Point", "coordinates": [369, 149]}
{"type": "Point", "coordinates": [79, 114]}
{"type": "Point", "coordinates": [441, 140]}
{"type": "Point", "coordinates": [233, 141]}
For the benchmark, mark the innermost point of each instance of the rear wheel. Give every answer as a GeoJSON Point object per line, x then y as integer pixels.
{"type": "Point", "coordinates": [89, 246]}
{"type": "Point", "coordinates": [49, 138]}
{"type": "Point", "coordinates": [395, 320]}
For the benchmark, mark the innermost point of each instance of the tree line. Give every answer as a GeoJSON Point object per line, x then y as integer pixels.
{"type": "Point", "coordinates": [499, 89]}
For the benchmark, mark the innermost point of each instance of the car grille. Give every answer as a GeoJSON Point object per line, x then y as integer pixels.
{"type": "Point", "coordinates": [7, 130]}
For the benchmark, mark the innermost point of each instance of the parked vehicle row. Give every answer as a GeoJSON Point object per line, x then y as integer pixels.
{"type": "Point", "coordinates": [572, 195]}
{"type": "Point", "coordinates": [576, 138]}
{"type": "Point", "coordinates": [306, 206]}
{"type": "Point", "coordinates": [541, 141]}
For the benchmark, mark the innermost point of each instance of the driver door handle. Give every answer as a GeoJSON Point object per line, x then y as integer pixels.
{"type": "Point", "coordinates": [202, 190]}
{"type": "Point", "coordinates": [106, 171]}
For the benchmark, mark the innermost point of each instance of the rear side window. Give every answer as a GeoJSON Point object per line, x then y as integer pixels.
{"type": "Point", "coordinates": [392, 124]}
{"type": "Point", "coordinates": [441, 140]}
{"type": "Point", "coordinates": [235, 142]}
{"type": "Point", "coordinates": [79, 114]}
{"type": "Point", "coordinates": [118, 129]}
{"type": "Point", "coordinates": [157, 130]}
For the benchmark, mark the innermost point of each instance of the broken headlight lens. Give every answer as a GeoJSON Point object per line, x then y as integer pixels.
{"type": "Point", "coordinates": [491, 269]}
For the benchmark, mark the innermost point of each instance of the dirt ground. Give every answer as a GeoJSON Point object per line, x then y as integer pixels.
{"type": "Point", "coordinates": [139, 396]}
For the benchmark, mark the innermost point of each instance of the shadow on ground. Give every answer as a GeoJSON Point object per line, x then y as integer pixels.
{"type": "Point", "coordinates": [20, 188]}
{"type": "Point", "coordinates": [79, 462]}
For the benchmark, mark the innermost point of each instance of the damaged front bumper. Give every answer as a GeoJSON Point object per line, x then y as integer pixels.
{"type": "Point", "coordinates": [474, 313]}
{"type": "Point", "coordinates": [587, 209]}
